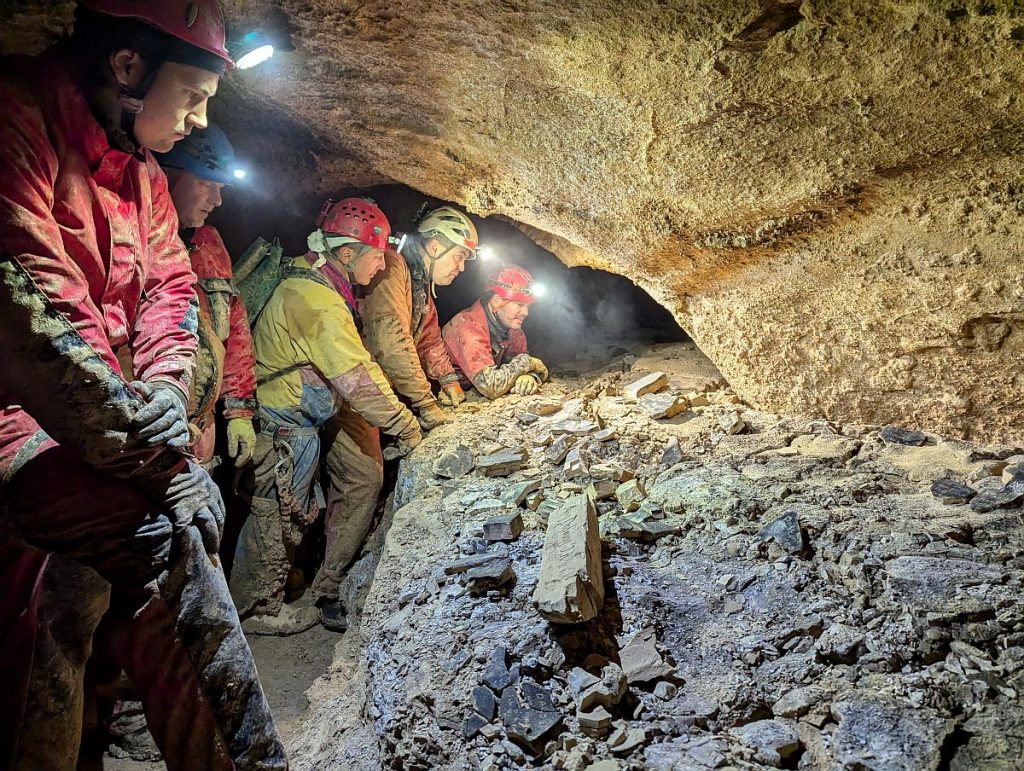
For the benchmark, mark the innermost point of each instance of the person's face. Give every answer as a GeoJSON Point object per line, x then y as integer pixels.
{"type": "Point", "coordinates": [451, 265]}
{"type": "Point", "coordinates": [366, 267]}
{"type": "Point", "coordinates": [194, 198]}
{"type": "Point", "coordinates": [512, 314]}
{"type": "Point", "coordinates": [174, 105]}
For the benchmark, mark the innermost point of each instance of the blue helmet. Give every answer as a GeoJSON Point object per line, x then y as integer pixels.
{"type": "Point", "coordinates": [207, 153]}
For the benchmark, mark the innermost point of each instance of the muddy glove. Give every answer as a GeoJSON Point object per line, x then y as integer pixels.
{"type": "Point", "coordinates": [194, 500]}
{"type": "Point", "coordinates": [164, 417]}
{"type": "Point", "coordinates": [452, 394]}
{"type": "Point", "coordinates": [525, 385]}
{"type": "Point", "coordinates": [241, 440]}
{"type": "Point", "coordinates": [538, 366]}
{"type": "Point", "coordinates": [430, 415]}
{"type": "Point", "coordinates": [404, 444]}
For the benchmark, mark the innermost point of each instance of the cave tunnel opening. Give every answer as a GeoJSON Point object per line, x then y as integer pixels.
{"type": "Point", "coordinates": [582, 307]}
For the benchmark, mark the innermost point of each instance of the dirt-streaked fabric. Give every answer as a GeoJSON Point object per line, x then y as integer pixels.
{"type": "Point", "coordinates": [472, 347]}
{"type": "Point", "coordinates": [402, 333]}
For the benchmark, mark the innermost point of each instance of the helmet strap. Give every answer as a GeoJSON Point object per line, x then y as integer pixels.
{"type": "Point", "coordinates": [132, 102]}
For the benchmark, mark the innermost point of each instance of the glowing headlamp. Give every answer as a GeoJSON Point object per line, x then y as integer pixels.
{"type": "Point", "coordinates": [398, 241]}
{"type": "Point", "coordinates": [254, 57]}
{"type": "Point", "coordinates": [485, 253]}
{"type": "Point", "coordinates": [538, 290]}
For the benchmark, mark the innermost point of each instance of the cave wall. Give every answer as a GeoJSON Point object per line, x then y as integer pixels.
{"type": "Point", "coordinates": [826, 194]}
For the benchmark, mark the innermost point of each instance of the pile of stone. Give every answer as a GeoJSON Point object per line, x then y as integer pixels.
{"type": "Point", "coordinates": [740, 591]}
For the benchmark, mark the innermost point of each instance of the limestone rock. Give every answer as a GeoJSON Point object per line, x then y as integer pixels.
{"type": "Point", "coordinates": [662, 406]}
{"type": "Point", "coordinates": [504, 528]}
{"type": "Point", "coordinates": [731, 423]}
{"type": "Point", "coordinates": [490, 575]}
{"type": "Point", "coordinates": [951, 492]}
{"type": "Point", "coordinates": [897, 435]}
{"type": "Point", "coordinates": [526, 726]}
{"type": "Point", "coordinates": [875, 734]}
{"type": "Point", "coordinates": [786, 532]}
{"type": "Point", "coordinates": [770, 740]}
{"type": "Point", "coordinates": [641, 661]}
{"type": "Point", "coordinates": [798, 701]}
{"type": "Point", "coordinates": [501, 463]}
{"type": "Point", "coordinates": [649, 384]}
{"type": "Point", "coordinates": [570, 588]}
{"type": "Point", "coordinates": [630, 495]}
{"type": "Point", "coordinates": [454, 464]}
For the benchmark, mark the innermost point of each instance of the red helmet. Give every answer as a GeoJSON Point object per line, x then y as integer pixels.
{"type": "Point", "coordinates": [358, 218]}
{"type": "Point", "coordinates": [199, 23]}
{"type": "Point", "coordinates": [512, 283]}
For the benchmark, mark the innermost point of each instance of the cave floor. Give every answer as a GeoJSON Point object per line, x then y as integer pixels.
{"type": "Point", "coordinates": [794, 593]}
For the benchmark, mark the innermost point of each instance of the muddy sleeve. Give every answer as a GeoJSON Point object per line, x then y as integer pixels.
{"type": "Point", "coordinates": [86, 405]}
{"type": "Point", "coordinates": [326, 333]}
{"type": "Point", "coordinates": [29, 233]}
{"type": "Point", "coordinates": [387, 316]}
{"type": "Point", "coordinates": [493, 382]}
{"type": "Point", "coordinates": [239, 390]}
{"type": "Point", "coordinates": [164, 339]}
{"type": "Point", "coordinates": [469, 345]}
{"type": "Point", "coordinates": [432, 352]}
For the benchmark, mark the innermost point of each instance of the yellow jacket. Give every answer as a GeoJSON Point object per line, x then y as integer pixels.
{"type": "Point", "coordinates": [309, 357]}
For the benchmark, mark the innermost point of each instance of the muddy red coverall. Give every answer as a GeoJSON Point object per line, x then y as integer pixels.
{"type": "Point", "coordinates": [91, 260]}
{"type": "Point", "coordinates": [471, 347]}
{"type": "Point", "coordinates": [227, 368]}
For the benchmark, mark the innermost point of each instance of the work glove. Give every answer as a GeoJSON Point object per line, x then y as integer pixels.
{"type": "Point", "coordinates": [538, 366]}
{"type": "Point", "coordinates": [452, 394]}
{"type": "Point", "coordinates": [525, 385]}
{"type": "Point", "coordinates": [194, 501]}
{"type": "Point", "coordinates": [164, 417]}
{"type": "Point", "coordinates": [241, 440]}
{"type": "Point", "coordinates": [404, 444]}
{"type": "Point", "coordinates": [430, 415]}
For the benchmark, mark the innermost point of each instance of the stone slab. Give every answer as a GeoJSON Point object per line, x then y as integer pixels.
{"type": "Point", "coordinates": [570, 587]}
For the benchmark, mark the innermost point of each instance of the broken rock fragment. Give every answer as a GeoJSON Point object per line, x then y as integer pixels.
{"type": "Point", "coordinates": [951, 492]}
{"type": "Point", "coordinates": [574, 426]}
{"type": "Point", "coordinates": [595, 722]}
{"type": "Point", "coordinates": [514, 495]}
{"type": "Point", "coordinates": [575, 466]}
{"type": "Point", "coordinates": [454, 464]}
{"type": "Point", "coordinates": [897, 435]}
{"type": "Point", "coordinates": [484, 703]}
{"type": "Point", "coordinates": [490, 575]}
{"type": "Point", "coordinates": [731, 423]}
{"type": "Point", "coordinates": [496, 676]}
{"type": "Point", "coordinates": [630, 495]}
{"type": "Point", "coordinates": [640, 659]}
{"type": "Point", "coordinates": [649, 384]}
{"type": "Point", "coordinates": [786, 532]}
{"type": "Point", "coordinates": [570, 587]}
{"type": "Point", "coordinates": [507, 527]}
{"type": "Point", "coordinates": [770, 740]}
{"type": "Point", "coordinates": [528, 727]}
{"type": "Point", "coordinates": [502, 463]}
{"type": "Point", "coordinates": [662, 406]}
{"type": "Point", "coordinates": [558, 449]}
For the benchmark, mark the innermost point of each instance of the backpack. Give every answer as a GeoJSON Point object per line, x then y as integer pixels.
{"type": "Point", "coordinates": [257, 273]}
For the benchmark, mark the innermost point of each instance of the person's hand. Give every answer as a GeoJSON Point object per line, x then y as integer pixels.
{"type": "Point", "coordinates": [163, 419]}
{"type": "Point", "coordinates": [538, 366]}
{"type": "Point", "coordinates": [430, 415]}
{"type": "Point", "coordinates": [525, 385]}
{"type": "Point", "coordinates": [195, 501]}
{"type": "Point", "coordinates": [403, 445]}
{"type": "Point", "coordinates": [241, 440]}
{"type": "Point", "coordinates": [452, 394]}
